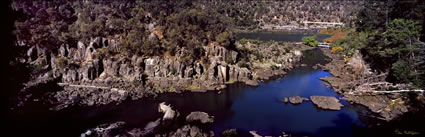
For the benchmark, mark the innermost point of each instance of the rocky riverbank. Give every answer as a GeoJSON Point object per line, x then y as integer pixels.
{"type": "Point", "coordinates": [347, 78]}
{"type": "Point", "coordinates": [165, 126]}
{"type": "Point", "coordinates": [88, 77]}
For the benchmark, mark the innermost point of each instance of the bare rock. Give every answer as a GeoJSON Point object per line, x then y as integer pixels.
{"type": "Point", "coordinates": [297, 100]}
{"type": "Point", "coordinates": [199, 116]}
{"type": "Point", "coordinates": [252, 83]}
{"type": "Point", "coordinates": [104, 130]}
{"type": "Point", "coordinates": [169, 113]}
{"type": "Point", "coordinates": [325, 102]}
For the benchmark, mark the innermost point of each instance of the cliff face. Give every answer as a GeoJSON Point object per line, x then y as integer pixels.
{"type": "Point", "coordinates": [101, 52]}
{"type": "Point", "coordinates": [90, 79]}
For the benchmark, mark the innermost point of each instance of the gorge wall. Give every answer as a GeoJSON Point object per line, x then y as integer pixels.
{"type": "Point", "coordinates": [100, 51]}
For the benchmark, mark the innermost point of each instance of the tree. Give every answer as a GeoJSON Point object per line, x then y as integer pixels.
{"type": "Point", "coordinates": [226, 39]}
{"type": "Point", "coordinates": [310, 41]}
{"type": "Point", "coordinates": [193, 28]}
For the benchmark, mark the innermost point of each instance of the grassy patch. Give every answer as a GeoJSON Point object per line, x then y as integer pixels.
{"type": "Point", "coordinates": [192, 87]}
{"type": "Point", "coordinates": [172, 89]}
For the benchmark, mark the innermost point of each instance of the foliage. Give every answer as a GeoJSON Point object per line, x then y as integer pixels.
{"type": "Point", "coordinates": [336, 49]}
{"type": "Point", "coordinates": [310, 41]}
{"type": "Point", "coordinates": [354, 41]}
{"type": "Point", "coordinates": [229, 60]}
{"type": "Point", "coordinates": [192, 87]}
{"type": "Point", "coordinates": [226, 39]}
{"type": "Point", "coordinates": [61, 63]}
{"type": "Point", "coordinates": [347, 60]}
{"type": "Point", "coordinates": [243, 64]}
{"type": "Point", "coordinates": [389, 39]}
{"type": "Point", "coordinates": [193, 28]}
{"type": "Point", "coordinates": [182, 23]}
{"type": "Point", "coordinates": [337, 34]}
{"type": "Point", "coordinates": [259, 56]}
{"type": "Point", "coordinates": [401, 70]}
{"type": "Point", "coordinates": [136, 83]}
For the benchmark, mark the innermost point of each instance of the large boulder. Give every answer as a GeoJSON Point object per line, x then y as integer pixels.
{"type": "Point", "coordinates": [169, 113]}
{"type": "Point", "coordinates": [199, 116]}
{"type": "Point", "coordinates": [325, 102]}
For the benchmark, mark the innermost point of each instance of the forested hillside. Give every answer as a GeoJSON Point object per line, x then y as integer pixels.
{"type": "Point", "coordinates": [390, 37]}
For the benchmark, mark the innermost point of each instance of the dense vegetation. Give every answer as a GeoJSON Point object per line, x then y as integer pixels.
{"type": "Point", "coordinates": [310, 41]}
{"type": "Point", "coordinates": [389, 36]}
{"type": "Point", "coordinates": [142, 28]}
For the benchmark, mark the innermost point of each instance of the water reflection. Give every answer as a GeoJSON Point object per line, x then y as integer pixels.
{"type": "Point", "coordinates": [239, 106]}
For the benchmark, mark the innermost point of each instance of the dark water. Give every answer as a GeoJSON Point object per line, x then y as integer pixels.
{"type": "Point", "coordinates": [239, 106]}
{"type": "Point", "coordinates": [278, 36]}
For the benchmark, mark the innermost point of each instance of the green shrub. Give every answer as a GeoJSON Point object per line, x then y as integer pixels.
{"type": "Point", "coordinates": [229, 60]}
{"type": "Point", "coordinates": [61, 63]}
{"type": "Point", "coordinates": [243, 64]}
{"type": "Point", "coordinates": [310, 41]}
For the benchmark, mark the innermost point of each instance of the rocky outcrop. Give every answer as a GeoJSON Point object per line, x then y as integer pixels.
{"type": "Point", "coordinates": [347, 81]}
{"type": "Point", "coordinates": [121, 77]}
{"type": "Point", "coordinates": [190, 131]}
{"type": "Point", "coordinates": [199, 116]}
{"type": "Point", "coordinates": [160, 127]}
{"type": "Point", "coordinates": [388, 108]}
{"type": "Point", "coordinates": [297, 100]}
{"type": "Point", "coordinates": [325, 102]}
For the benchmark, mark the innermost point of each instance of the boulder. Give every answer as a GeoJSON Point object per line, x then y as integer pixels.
{"type": "Point", "coordinates": [189, 131]}
{"type": "Point", "coordinates": [297, 100]}
{"type": "Point", "coordinates": [325, 102]}
{"type": "Point", "coordinates": [199, 116]}
{"type": "Point", "coordinates": [252, 83]}
{"type": "Point", "coordinates": [169, 113]}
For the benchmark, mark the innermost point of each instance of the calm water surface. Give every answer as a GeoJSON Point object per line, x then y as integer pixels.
{"type": "Point", "coordinates": [239, 106]}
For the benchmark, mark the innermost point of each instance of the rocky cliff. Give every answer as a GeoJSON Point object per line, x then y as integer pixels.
{"type": "Point", "coordinates": [89, 78]}
{"type": "Point", "coordinates": [103, 52]}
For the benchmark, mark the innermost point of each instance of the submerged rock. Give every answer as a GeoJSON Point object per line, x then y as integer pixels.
{"type": "Point", "coordinates": [325, 102]}
{"type": "Point", "coordinates": [297, 100]}
{"type": "Point", "coordinates": [229, 133]}
{"type": "Point", "coordinates": [199, 116]}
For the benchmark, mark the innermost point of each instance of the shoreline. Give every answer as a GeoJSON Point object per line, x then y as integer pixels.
{"type": "Point", "coordinates": [388, 106]}
{"type": "Point", "coordinates": [97, 92]}
{"type": "Point", "coordinates": [289, 30]}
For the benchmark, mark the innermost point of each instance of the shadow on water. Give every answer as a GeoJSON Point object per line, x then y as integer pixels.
{"type": "Point", "coordinates": [238, 106]}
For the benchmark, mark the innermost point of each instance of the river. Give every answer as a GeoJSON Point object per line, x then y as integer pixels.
{"type": "Point", "coordinates": [238, 106]}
